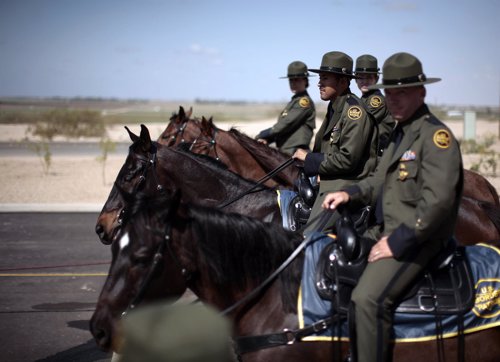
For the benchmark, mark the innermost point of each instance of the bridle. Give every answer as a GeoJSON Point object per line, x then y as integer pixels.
{"type": "Point", "coordinates": [207, 145]}
{"type": "Point", "coordinates": [155, 267]}
{"type": "Point", "coordinates": [150, 161]}
{"type": "Point", "coordinates": [178, 132]}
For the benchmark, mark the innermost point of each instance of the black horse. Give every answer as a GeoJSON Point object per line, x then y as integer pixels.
{"type": "Point", "coordinates": [168, 246]}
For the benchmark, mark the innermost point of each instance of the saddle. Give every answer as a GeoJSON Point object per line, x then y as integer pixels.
{"type": "Point", "coordinates": [445, 288]}
{"type": "Point", "coordinates": [299, 208]}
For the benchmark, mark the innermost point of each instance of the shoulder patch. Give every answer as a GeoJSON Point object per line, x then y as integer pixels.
{"type": "Point", "coordinates": [354, 113]}
{"type": "Point", "coordinates": [442, 138]}
{"type": "Point", "coordinates": [375, 101]}
{"type": "Point", "coordinates": [304, 102]}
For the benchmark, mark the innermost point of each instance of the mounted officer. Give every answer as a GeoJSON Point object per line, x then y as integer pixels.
{"type": "Point", "coordinates": [345, 146]}
{"type": "Point", "coordinates": [297, 121]}
{"type": "Point", "coordinates": [417, 189]}
{"type": "Point", "coordinates": [367, 74]}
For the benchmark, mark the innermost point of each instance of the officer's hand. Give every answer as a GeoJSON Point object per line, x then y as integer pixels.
{"type": "Point", "coordinates": [300, 154]}
{"type": "Point", "coordinates": [261, 140]}
{"type": "Point", "coordinates": [332, 200]}
{"type": "Point", "coordinates": [380, 250]}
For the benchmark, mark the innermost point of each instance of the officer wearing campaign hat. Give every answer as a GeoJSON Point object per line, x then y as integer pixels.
{"type": "Point", "coordinates": [176, 333]}
{"type": "Point", "coordinates": [345, 147]}
{"type": "Point", "coordinates": [417, 189]}
{"type": "Point", "coordinates": [367, 74]}
{"type": "Point", "coordinates": [295, 126]}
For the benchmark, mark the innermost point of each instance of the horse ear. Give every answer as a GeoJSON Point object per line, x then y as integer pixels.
{"type": "Point", "coordinates": [145, 138]}
{"type": "Point", "coordinates": [206, 125]}
{"type": "Point", "coordinates": [132, 135]}
{"type": "Point", "coordinates": [182, 114]}
{"type": "Point", "coordinates": [188, 114]}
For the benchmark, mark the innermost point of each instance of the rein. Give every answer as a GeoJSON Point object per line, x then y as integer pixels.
{"type": "Point", "coordinates": [259, 183]}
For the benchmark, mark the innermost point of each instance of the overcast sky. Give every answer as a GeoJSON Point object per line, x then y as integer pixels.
{"type": "Point", "coordinates": [237, 50]}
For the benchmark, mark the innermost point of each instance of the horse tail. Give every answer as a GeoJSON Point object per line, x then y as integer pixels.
{"type": "Point", "coordinates": [492, 211]}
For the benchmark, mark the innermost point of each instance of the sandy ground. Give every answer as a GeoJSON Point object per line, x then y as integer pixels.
{"type": "Point", "coordinates": [79, 180]}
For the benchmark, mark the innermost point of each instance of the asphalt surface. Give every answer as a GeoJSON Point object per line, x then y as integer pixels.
{"type": "Point", "coordinates": [52, 268]}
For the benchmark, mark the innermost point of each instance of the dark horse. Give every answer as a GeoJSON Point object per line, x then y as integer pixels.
{"type": "Point", "coordinates": [240, 153]}
{"type": "Point", "coordinates": [222, 257]}
{"type": "Point", "coordinates": [154, 168]}
{"type": "Point", "coordinates": [478, 221]}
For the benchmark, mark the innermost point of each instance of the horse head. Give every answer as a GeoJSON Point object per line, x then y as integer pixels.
{"type": "Point", "coordinates": [145, 266]}
{"type": "Point", "coordinates": [180, 129]}
{"type": "Point", "coordinates": [131, 178]}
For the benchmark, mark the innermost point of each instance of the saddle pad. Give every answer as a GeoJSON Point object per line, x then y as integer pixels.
{"type": "Point", "coordinates": [485, 266]}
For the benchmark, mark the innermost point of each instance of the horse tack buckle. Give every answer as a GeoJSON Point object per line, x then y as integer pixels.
{"type": "Point", "coordinates": [290, 336]}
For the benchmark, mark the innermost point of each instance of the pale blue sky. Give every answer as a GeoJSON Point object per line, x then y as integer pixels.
{"type": "Point", "coordinates": [237, 50]}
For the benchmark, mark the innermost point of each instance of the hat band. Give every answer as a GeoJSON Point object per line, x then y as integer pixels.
{"type": "Point", "coordinates": [305, 74]}
{"type": "Point", "coordinates": [367, 69]}
{"type": "Point", "coordinates": [416, 79]}
{"type": "Point", "coordinates": [335, 69]}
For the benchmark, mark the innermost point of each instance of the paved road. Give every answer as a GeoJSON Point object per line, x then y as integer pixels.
{"type": "Point", "coordinates": [52, 268]}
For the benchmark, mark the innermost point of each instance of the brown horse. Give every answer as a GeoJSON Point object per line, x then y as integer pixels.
{"type": "Point", "coordinates": [222, 257]}
{"type": "Point", "coordinates": [154, 169]}
{"type": "Point", "coordinates": [230, 147]}
{"type": "Point", "coordinates": [253, 160]}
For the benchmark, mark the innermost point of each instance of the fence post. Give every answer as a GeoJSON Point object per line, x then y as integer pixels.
{"type": "Point", "coordinates": [469, 125]}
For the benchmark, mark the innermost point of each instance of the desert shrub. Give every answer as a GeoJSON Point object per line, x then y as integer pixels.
{"type": "Point", "coordinates": [68, 123]}
{"type": "Point", "coordinates": [488, 158]}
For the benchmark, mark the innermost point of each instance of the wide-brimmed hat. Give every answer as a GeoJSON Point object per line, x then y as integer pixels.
{"type": "Point", "coordinates": [297, 69]}
{"type": "Point", "coordinates": [366, 64]}
{"type": "Point", "coordinates": [403, 70]}
{"type": "Point", "coordinates": [335, 62]}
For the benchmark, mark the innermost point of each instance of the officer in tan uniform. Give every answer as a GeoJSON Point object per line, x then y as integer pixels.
{"type": "Point", "coordinates": [345, 145]}
{"type": "Point", "coordinates": [417, 188]}
{"type": "Point", "coordinates": [296, 123]}
{"type": "Point", "coordinates": [367, 74]}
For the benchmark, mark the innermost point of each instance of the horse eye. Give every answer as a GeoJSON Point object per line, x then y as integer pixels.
{"type": "Point", "coordinates": [140, 260]}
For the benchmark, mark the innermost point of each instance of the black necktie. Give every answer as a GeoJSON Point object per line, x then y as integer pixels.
{"type": "Point", "coordinates": [397, 136]}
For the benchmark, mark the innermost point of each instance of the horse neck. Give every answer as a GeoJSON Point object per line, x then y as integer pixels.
{"type": "Point", "coordinates": [267, 158]}
{"type": "Point", "coordinates": [210, 185]}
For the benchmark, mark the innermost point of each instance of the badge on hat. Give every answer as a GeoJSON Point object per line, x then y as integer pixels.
{"type": "Point", "coordinates": [304, 102]}
{"type": "Point", "coordinates": [442, 138]}
{"type": "Point", "coordinates": [354, 113]}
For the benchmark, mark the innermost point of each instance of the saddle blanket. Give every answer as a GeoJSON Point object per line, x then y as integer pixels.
{"type": "Point", "coordinates": [485, 266]}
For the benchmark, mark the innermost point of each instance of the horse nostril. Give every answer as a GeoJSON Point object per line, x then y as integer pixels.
{"type": "Point", "coordinates": [99, 229]}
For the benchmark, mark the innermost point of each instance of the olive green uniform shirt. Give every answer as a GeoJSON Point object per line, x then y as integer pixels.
{"type": "Point", "coordinates": [420, 184]}
{"type": "Point", "coordinates": [376, 106]}
{"type": "Point", "coordinates": [345, 148]}
{"type": "Point", "coordinates": [295, 125]}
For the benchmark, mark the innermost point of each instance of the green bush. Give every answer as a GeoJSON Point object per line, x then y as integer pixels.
{"type": "Point", "coordinates": [68, 123]}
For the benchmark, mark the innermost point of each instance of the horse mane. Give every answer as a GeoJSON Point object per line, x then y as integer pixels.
{"type": "Point", "coordinates": [184, 147]}
{"type": "Point", "coordinates": [239, 249]}
{"type": "Point", "coordinates": [213, 164]}
{"type": "Point", "coordinates": [267, 157]}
